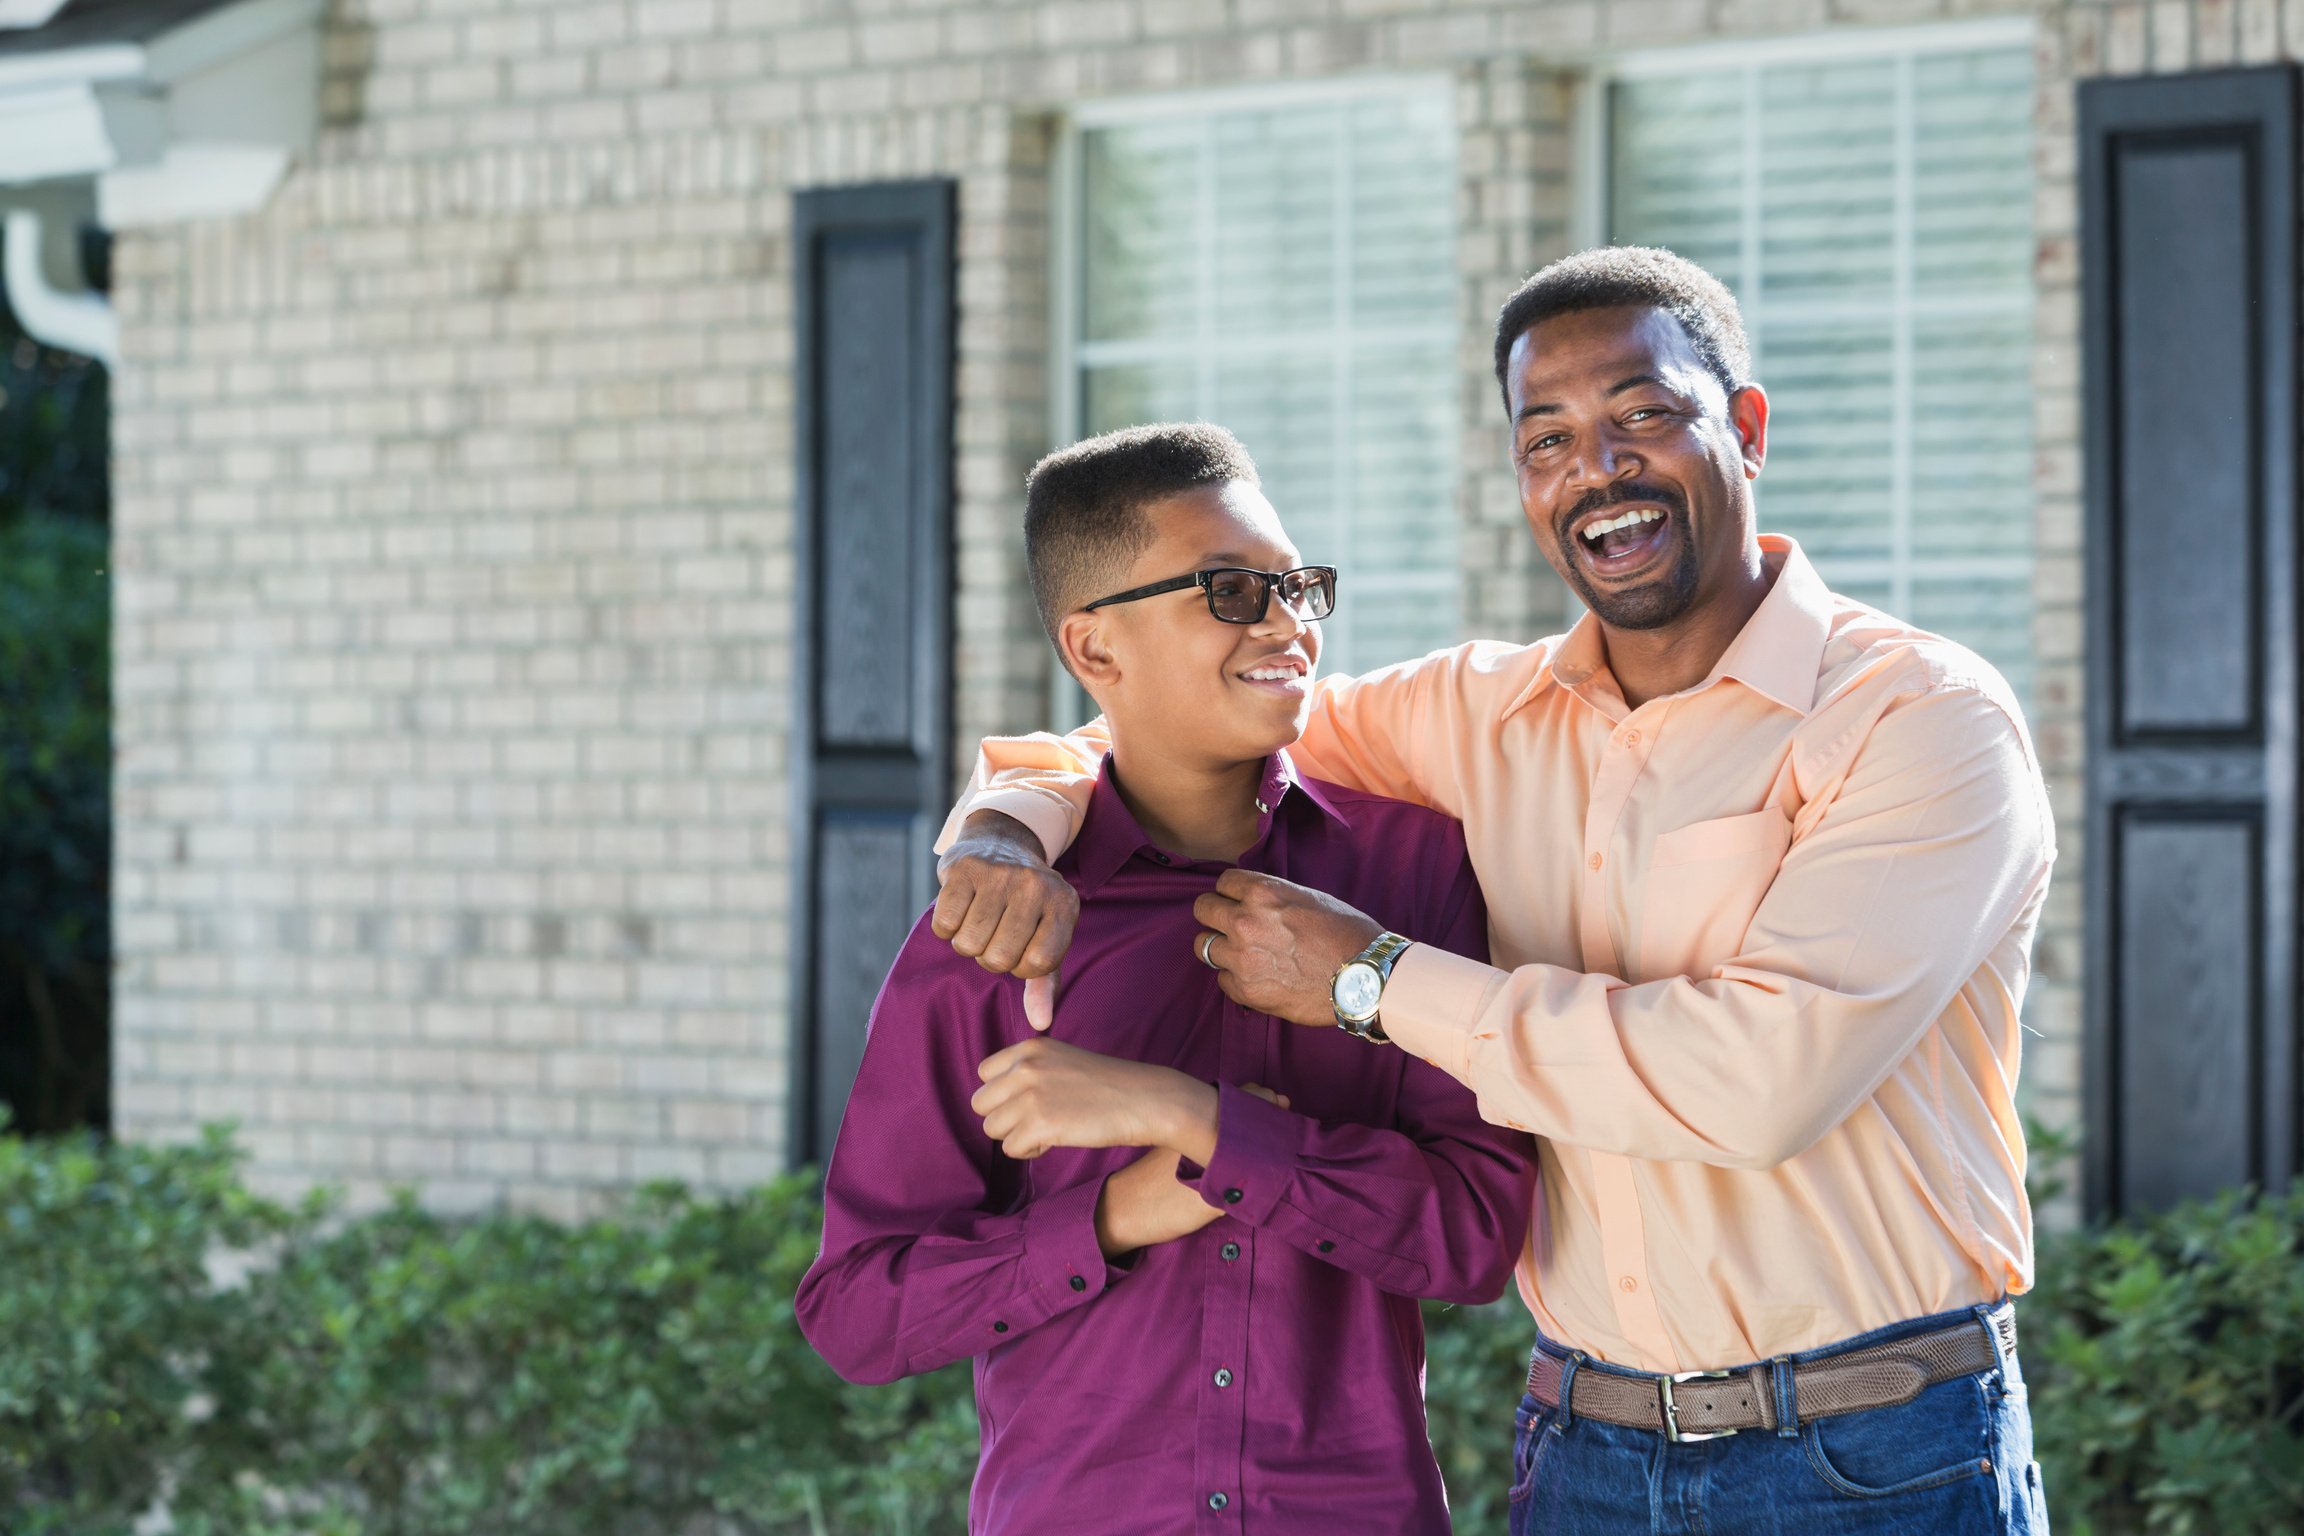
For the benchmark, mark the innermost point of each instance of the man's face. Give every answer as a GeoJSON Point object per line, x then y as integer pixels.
{"type": "Point", "coordinates": [1632, 462]}
{"type": "Point", "coordinates": [1211, 692]}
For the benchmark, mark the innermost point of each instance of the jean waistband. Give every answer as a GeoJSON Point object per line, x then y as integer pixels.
{"type": "Point", "coordinates": [1998, 1317]}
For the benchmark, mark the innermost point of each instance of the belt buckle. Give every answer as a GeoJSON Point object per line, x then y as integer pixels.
{"type": "Point", "coordinates": [1672, 1429]}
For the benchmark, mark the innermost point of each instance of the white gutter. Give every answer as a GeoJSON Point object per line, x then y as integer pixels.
{"type": "Point", "coordinates": [72, 322]}
{"type": "Point", "coordinates": [243, 78]}
{"type": "Point", "coordinates": [200, 121]}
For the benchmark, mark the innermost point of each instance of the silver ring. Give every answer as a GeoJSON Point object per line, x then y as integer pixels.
{"type": "Point", "coordinates": [1207, 939]}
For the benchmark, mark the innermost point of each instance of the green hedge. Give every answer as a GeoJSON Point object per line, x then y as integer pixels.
{"type": "Point", "coordinates": [2166, 1365]}
{"type": "Point", "coordinates": [408, 1375]}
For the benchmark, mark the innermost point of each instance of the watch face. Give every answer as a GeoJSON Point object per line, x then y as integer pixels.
{"type": "Point", "coordinates": [1358, 990]}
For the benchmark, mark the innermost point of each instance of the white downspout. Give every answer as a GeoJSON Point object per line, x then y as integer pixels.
{"type": "Point", "coordinates": [73, 322]}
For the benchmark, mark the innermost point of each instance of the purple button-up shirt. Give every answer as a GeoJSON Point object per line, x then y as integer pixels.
{"type": "Point", "coordinates": [1263, 1375]}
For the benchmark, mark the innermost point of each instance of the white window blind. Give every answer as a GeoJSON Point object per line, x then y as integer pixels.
{"type": "Point", "coordinates": [1874, 216]}
{"type": "Point", "coordinates": [1287, 268]}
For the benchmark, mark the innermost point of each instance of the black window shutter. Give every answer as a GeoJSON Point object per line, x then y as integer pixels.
{"type": "Point", "coordinates": [2188, 260]}
{"type": "Point", "coordinates": [872, 577]}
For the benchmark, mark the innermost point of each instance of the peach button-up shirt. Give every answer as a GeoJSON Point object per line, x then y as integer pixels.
{"type": "Point", "coordinates": [1760, 949]}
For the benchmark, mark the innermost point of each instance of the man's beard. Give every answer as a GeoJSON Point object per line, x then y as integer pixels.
{"type": "Point", "coordinates": [1654, 603]}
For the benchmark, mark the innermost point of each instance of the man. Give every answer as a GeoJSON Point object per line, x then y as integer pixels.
{"type": "Point", "coordinates": [1763, 869]}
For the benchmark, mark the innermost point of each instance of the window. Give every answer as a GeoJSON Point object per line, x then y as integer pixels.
{"type": "Point", "coordinates": [1872, 211]}
{"type": "Point", "coordinates": [1285, 265]}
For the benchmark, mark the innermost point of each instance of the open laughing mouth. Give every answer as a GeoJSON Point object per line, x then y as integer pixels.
{"type": "Point", "coordinates": [1622, 540]}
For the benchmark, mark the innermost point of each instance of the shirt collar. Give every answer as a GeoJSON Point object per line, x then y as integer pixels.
{"type": "Point", "coordinates": [1780, 650]}
{"type": "Point", "coordinates": [1778, 653]}
{"type": "Point", "coordinates": [1110, 837]}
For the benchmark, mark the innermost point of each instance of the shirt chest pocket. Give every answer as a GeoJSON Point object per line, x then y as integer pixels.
{"type": "Point", "coordinates": [1705, 882]}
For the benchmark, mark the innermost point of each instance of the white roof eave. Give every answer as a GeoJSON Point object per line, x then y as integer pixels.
{"type": "Point", "coordinates": [199, 121]}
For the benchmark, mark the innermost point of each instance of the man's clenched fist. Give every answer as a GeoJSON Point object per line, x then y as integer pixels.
{"type": "Point", "coordinates": [1004, 908]}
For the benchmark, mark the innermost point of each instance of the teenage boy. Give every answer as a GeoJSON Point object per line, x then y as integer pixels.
{"type": "Point", "coordinates": [1183, 1241]}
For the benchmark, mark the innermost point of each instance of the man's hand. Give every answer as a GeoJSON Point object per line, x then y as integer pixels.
{"type": "Point", "coordinates": [1043, 1093]}
{"type": "Point", "coordinates": [1143, 1205]}
{"type": "Point", "coordinates": [1278, 945]}
{"type": "Point", "coordinates": [1004, 908]}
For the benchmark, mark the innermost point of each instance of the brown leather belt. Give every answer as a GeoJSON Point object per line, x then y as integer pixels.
{"type": "Point", "coordinates": [1704, 1405]}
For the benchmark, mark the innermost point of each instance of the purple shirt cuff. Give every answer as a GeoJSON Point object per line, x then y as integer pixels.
{"type": "Point", "coordinates": [1257, 1143]}
{"type": "Point", "coordinates": [1061, 1256]}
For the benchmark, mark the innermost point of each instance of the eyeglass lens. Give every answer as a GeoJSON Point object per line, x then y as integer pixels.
{"type": "Point", "coordinates": [1237, 597]}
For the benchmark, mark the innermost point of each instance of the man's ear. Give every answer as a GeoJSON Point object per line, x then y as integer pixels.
{"type": "Point", "coordinates": [1748, 410]}
{"type": "Point", "coordinates": [1087, 650]}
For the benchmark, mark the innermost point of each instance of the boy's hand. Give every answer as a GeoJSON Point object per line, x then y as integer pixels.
{"type": "Point", "coordinates": [1143, 1205]}
{"type": "Point", "coordinates": [1043, 1093]}
{"type": "Point", "coordinates": [1004, 908]}
{"type": "Point", "coordinates": [1277, 946]}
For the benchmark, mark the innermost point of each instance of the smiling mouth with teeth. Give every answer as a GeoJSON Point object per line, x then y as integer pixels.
{"type": "Point", "coordinates": [1608, 538]}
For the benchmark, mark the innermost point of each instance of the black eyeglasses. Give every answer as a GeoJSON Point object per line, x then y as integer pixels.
{"type": "Point", "coordinates": [1241, 596]}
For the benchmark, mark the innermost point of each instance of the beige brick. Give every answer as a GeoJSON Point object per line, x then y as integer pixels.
{"type": "Point", "coordinates": [2171, 33]}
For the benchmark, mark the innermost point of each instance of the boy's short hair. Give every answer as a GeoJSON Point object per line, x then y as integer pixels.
{"type": "Point", "coordinates": [1632, 276]}
{"type": "Point", "coordinates": [1084, 506]}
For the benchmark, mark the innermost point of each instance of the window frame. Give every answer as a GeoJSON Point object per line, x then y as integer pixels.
{"type": "Point", "coordinates": [1903, 47]}
{"type": "Point", "coordinates": [1069, 354]}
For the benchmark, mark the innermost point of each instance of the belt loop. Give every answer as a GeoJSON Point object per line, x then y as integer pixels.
{"type": "Point", "coordinates": [1983, 1315]}
{"type": "Point", "coordinates": [1568, 1369]}
{"type": "Point", "coordinates": [1787, 1405]}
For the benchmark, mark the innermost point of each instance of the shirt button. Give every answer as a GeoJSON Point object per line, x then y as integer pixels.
{"type": "Point", "coordinates": [1632, 738]}
{"type": "Point", "coordinates": [1593, 861]}
{"type": "Point", "coordinates": [1231, 1197]}
{"type": "Point", "coordinates": [1217, 1501]}
{"type": "Point", "coordinates": [1223, 1377]}
{"type": "Point", "coordinates": [1079, 1282]}
{"type": "Point", "coordinates": [1229, 1252]}
{"type": "Point", "coordinates": [1629, 1284]}
{"type": "Point", "coordinates": [999, 1327]}
{"type": "Point", "coordinates": [1161, 858]}
{"type": "Point", "coordinates": [1327, 1246]}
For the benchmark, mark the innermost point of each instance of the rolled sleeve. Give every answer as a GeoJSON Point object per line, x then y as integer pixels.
{"type": "Point", "coordinates": [1048, 816]}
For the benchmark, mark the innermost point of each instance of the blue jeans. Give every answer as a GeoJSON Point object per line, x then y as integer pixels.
{"type": "Point", "coordinates": [1955, 1460]}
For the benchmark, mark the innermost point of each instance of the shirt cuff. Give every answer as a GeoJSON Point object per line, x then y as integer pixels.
{"type": "Point", "coordinates": [1257, 1144]}
{"type": "Point", "coordinates": [1049, 817]}
{"type": "Point", "coordinates": [1061, 1257]}
{"type": "Point", "coordinates": [1433, 1002]}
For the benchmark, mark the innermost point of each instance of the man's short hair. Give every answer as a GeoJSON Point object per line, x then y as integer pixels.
{"type": "Point", "coordinates": [1632, 276]}
{"type": "Point", "coordinates": [1084, 506]}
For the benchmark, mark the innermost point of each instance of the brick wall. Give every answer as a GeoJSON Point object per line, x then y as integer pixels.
{"type": "Point", "coordinates": [454, 515]}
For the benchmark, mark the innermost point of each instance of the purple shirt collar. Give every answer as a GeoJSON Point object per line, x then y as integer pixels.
{"type": "Point", "coordinates": [1110, 836]}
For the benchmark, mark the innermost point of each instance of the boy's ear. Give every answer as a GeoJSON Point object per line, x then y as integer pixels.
{"type": "Point", "coordinates": [1087, 650]}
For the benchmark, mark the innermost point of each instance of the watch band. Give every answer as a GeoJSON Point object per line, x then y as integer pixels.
{"type": "Point", "coordinates": [1382, 953]}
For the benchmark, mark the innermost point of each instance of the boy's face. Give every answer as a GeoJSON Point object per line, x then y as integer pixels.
{"type": "Point", "coordinates": [1170, 674]}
